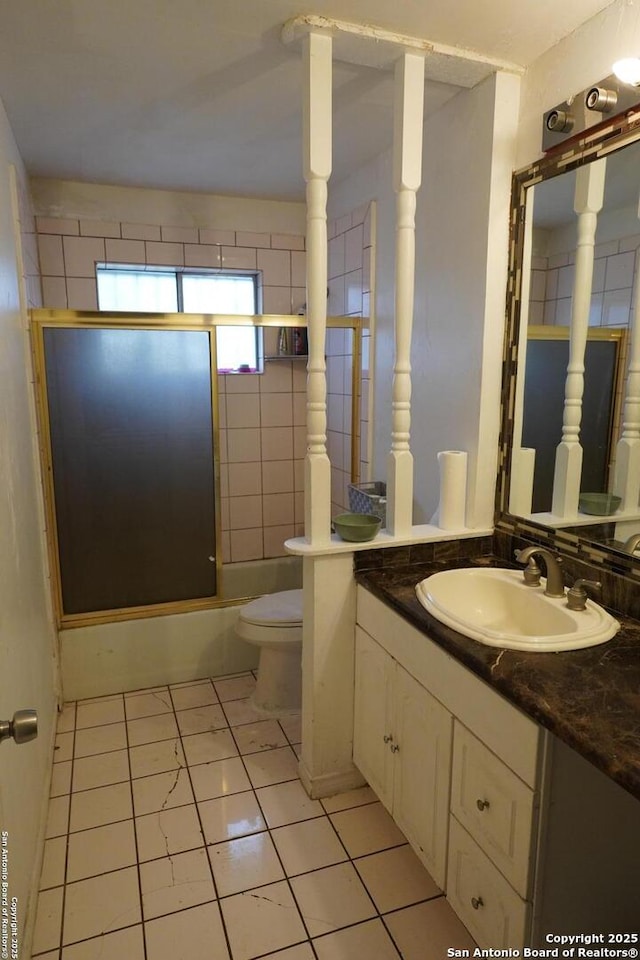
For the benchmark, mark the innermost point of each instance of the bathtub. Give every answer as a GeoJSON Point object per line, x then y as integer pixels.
{"type": "Point", "coordinates": [133, 654]}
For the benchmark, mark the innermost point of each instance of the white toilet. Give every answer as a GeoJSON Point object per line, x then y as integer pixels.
{"type": "Point", "coordinates": [274, 623]}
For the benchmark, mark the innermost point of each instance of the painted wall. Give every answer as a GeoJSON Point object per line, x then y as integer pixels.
{"type": "Point", "coordinates": [27, 637]}
{"type": "Point", "coordinates": [461, 257]}
{"type": "Point", "coordinates": [583, 58]}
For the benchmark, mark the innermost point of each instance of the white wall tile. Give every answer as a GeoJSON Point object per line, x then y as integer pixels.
{"type": "Point", "coordinates": [282, 241]}
{"type": "Point", "coordinates": [179, 234]}
{"type": "Point", "coordinates": [199, 255]}
{"type": "Point", "coordinates": [277, 376]}
{"type": "Point", "coordinates": [99, 228]}
{"type": "Point", "coordinates": [245, 512]}
{"type": "Point", "coordinates": [242, 382]}
{"type": "Point", "coordinates": [615, 308]}
{"type": "Point", "coordinates": [125, 251]}
{"type": "Point", "coordinates": [277, 476]}
{"type": "Point", "coordinates": [276, 267]}
{"type": "Point", "coordinates": [298, 268]}
{"type": "Point", "coordinates": [50, 254]}
{"type": "Point", "coordinates": [243, 446]}
{"type": "Point", "coordinates": [246, 239]}
{"type": "Point", "coordinates": [277, 508]}
{"type": "Point", "coordinates": [274, 538]}
{"type": "Point", "coordinates": [276, 300]}
{"type": "Point", "coordinates": [54, 293]}
{"type": "Point", "coordinates": [620, 271]}
{"type": "Point", "coordinates": [276, 409]}
{"type": "Point", "coordinates": [82, 294]}
{"type": "Point", "coordinates": [336, 257]}
{"type": "Point", "coordinates": [243, 410]}
{"type": "Point", "coordinates": [353, 249]}
{"type": "Point", "coordinates": [235, 258]}
{"type": "Point", "coordinates": [219, 237]}
{"type": "Point", "coordinates": [277, 443]}
{"type": "Point", "coordinates": [55, 225]}
{"type": "Point", "coordinates": [165, 254]}
{"type": "Point", "coordinates": [140, 231]}
{"type": "Point", "coordinates": [599, 270]}
{"type": "Point", "coordinates": [81, 255]}
{"type": "Point", "coordinates": [246, 545]}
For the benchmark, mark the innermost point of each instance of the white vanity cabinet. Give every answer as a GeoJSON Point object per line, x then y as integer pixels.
{"type": "Point", "coordinates": [526, 837]}
{"type": "Point", "coordinates": [402, 746]}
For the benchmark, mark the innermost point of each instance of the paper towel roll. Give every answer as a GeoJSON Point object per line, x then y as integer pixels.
{"type": "Point", "coordinates": [453, 489]}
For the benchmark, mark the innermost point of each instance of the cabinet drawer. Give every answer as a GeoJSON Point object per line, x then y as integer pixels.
{"type": "Point", "coordinates": [492, 911]}
{"type": "Point", "coordinates": [494, 806]}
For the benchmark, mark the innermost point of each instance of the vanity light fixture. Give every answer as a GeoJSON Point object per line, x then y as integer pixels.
{"type": "Point", "coordinates": [617, 93]}
{"type": "Point", "coordinates": [628, 70]}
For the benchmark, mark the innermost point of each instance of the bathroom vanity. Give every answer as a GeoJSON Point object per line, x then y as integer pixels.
{"type": "Point", "coordinates": [488, 761]}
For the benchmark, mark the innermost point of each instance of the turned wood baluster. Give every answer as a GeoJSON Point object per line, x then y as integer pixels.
{"type": "Point", "coordinates": [626, 483]}
{"type": "Point", "coordinates": [568, 468]}
{"type": "Point", "coordinates": [407, 174]}
{"type": "Point", "coordinates": [317, 169]}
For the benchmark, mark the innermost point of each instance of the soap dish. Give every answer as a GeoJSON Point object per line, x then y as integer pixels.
{"type": "Point", "coordinates": [599, 504]}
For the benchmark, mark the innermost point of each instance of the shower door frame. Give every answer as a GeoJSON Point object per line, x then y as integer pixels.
{"type": "Point", "coordinates": [41, 319]}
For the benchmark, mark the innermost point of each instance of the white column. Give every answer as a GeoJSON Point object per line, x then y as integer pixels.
{"type": "Point", "coordinates": [317, 168]}
{"type": "Point", "coordinates": [407, 174]}
{"type": "Point", "coordinates": [626, 482]}
{"type": "Point", "coordinates": [568, 469]}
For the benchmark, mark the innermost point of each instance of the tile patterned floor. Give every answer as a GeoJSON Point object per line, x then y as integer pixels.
{"type": "Point", "coordinates": [178, 829]}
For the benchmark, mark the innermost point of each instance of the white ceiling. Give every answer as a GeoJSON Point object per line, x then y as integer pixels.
{"type": "Point", "coordinates": [203, 95]}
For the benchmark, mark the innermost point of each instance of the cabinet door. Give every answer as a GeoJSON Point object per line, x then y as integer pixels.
{"type": "Point", "coordinates": [374, 671]}
{"type": "Point", "coordinates": [424, 731]}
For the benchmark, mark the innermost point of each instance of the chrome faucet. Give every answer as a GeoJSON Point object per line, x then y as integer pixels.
{"type": "Point", "coordinates": [631, 545]}
{"type": "Point", "coordinates": [555, 583]}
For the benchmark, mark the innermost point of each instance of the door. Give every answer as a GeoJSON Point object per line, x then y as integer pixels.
{"type": "Point", "coordinates": [372, 720]}
{"type": "Point", "coordinates": [424, 731]}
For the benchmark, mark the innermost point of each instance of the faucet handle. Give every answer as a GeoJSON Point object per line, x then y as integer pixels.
{"type": "Point", "coordinates": [532, 573]}
{"type": "Point", "coordinates": [577, 595]}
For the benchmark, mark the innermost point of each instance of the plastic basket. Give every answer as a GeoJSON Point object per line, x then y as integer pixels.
{"type": "Point", "coordinates": [369, 498]}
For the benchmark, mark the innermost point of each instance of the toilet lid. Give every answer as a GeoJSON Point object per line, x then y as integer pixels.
{"type": "Point", "coordinates": [283, 608]}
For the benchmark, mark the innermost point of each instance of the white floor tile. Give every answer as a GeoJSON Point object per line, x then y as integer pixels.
{"type": "Point", "coordinates": [57, 817]}
{"type": "Point", "coordinates": [105, 739]}
{"type": "Point", "coordinates": [122, 944]}
{"type": "Point", "coordinates": [332, 898]}
{"type": "Point", "coordinates": [428, 930]}
{"type": "Point", "coordinates": [163, 726]}
{"type": "Point", "coordinates": [101, 770]}
{"type": "Point", "coordinates": [195, 934]}
{"type": "Point", "coordinates": [66, 718]}
{"type": "Point", "coordinates": [61, 778]}
{"type": "Point", "coordinates": [308, 845]}
{"type": "Point", "coordinates": [46, 934]}
{"type": "Point", "coordinates": [287, 803]}
{"type": "Point", "coordinates": [292, 727]}
{"type": "Point", "coordinates": [199, 719]}
{"type": "Point", "coordinates": [241, 711]}
{"type": "Point", "coordinates": [100, 905]}
{"type": "Point", "coordinates": [152, 758]}
{"type": "Point", "coordinates": [229, 817]}
{"type": "Point", "coordinates": [367, 829]}
{"type": "Point", "coordinates": [168, 831]}
{"type": "Point", "coordinates": [352, 798]}
{"type": "Point", "coordinates": [206, 747]}
{"type": "Point", "coordinates": [302, 952]}
{"type": "Point", "coordinates": [368, 939]}
{"type": "Point", "coordinates": [98, 713]}
{"type": "Point", "coordinates": [239, 865]}
{"type": "Point", "coordinates": [162, 791]}
{"type": "Point", "coordinates": [264, 735]}
{"type": "Point", "coordinates": [53, 863]}
{"type": "Point", "coordinates": [263, 920]}
{"type": "Point", "coordinates": [219, 778]}
{"type": "Point", "coordinates": [235, 688]}
{"type": "Point", "coordinates": [272, 766]}
{"type": "Point", "coordinates": [176, 882]}
{"type": "Point", "coordinates": [147, 704]}
{"type": "Point", "coordinates": [396, 878]}
{"type": "Point", "coordinates": [197, 695]}
{"type": "Point", "coordinates": [63, 748]}
{"type": "Point", "coordinates": [94, 808]}
{"type": "Point", "coordinates": [101, 850]}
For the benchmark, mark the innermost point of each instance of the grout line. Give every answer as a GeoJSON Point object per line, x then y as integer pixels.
{"type": "Point", "coordinates": [135, 840]}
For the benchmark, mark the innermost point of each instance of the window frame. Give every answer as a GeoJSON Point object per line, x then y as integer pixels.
{"type": "Point", "coordinates": [178, 273]}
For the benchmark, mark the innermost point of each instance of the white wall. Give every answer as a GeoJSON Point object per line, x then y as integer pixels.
{"type": "Point", "coordinates": [91, 201]}
{"type": "Point", "coordinates": [577, 61]}
{"type": "Point", "coordinates": [27, 677]}
{"type": "Point", "coordinates": [461, 259]}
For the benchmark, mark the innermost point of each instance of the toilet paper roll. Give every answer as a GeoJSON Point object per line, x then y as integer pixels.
{"type": "Point", "coordinates": [453, 489]}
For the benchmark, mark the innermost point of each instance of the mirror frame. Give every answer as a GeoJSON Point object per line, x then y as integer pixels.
{"type": "Point", "coordinates": [606, 138]}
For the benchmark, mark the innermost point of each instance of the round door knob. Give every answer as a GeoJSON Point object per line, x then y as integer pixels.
{"type": "Point", "coordinates": [23, 727]}
{"type": "Point", "coordinates": [477, 902]}
{"type": "Point", "coordinates": [482, 805]}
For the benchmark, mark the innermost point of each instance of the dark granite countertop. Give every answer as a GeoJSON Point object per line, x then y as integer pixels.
{"type": "Point", "coordinates": [588, 698]}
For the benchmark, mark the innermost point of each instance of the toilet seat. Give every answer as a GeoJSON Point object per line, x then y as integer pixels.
{"type": "Point", "coordinates": [279, 610]}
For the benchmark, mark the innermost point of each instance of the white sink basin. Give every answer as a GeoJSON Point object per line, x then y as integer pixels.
{"type": "Point", "coordinates": [496, 607]}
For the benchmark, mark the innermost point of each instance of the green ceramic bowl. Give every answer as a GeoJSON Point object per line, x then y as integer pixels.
{"type": "Point", "coordinates": [357, 527]}
{"type": "Point", "coordinates": [599, 504]}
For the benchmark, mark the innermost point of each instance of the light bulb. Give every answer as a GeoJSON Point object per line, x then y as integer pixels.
{"type": "Point", "coordinates": [628, 70]}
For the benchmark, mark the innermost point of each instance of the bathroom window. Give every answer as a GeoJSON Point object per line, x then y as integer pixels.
{"type": "Point", "coordinates": [179, 291]}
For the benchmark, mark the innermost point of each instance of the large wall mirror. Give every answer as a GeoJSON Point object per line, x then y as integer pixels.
{"type": "Point", "coordinates": [570, 444]}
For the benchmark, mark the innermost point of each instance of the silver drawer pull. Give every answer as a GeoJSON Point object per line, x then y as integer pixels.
{"type": "Point", "coordinates": [395, 748]}
{"type": "Point", "coordinates": [477, 902]}
{"type": "Point", "coordinates": [482, 805]}
{"type": "Point", "coordinates": [388, 738]}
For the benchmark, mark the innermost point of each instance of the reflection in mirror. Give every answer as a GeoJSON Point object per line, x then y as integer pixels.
{"type": "Point", "coordinates": [572, 411]}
